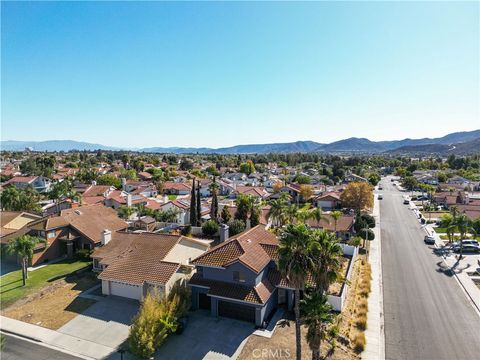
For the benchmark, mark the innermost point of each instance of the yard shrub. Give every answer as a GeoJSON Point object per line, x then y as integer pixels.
{"type": "Point", "coordinates": [157, 318]}
{"type": "Point", "coordinates": [359, 342]}
{"type": "Point", "coordinates": [187, 230]}
{"type": "Point", "coordinates": [236, 227]}
{"type": "Point", "coordinates": [210, 228]}
{"type": "Point", "coordinates": [83, 254]}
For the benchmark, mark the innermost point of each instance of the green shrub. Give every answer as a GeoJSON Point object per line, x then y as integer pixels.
{"type": "Point", "coordinates": [83, 254]}
{"type": "Point", "coordinates": [236, 227]}
{"type": "Point", "coordinates": [187, 230]}
{"type": "Point", "coordinates": [210, 228]}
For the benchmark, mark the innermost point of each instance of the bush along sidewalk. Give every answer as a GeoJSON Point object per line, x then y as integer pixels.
{"type": "Point", "coordinates": [157, 318]}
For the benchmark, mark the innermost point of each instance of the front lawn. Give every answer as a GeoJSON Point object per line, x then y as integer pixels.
{"type": "Point", "coordinates": [172, 197]}
{"type": "Point", "coordinates": [11, 288]}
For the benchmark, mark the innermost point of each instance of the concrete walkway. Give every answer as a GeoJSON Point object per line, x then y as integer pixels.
{"type": "Point", "coordinates": [66, 343]}
{"type": "Point", "coordinates": [375, 335]}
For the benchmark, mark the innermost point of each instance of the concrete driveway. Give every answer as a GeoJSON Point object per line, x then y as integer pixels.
{"type": "Point", "coordinates": [206, 337]}
{"type": "Point", "coordinates": [105, 322]}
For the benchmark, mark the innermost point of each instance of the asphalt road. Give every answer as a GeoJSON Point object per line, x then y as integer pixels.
{"type": "Point", "coordinates": [18, 349]}
{"type": "Point", "coordinates": [427, 315]}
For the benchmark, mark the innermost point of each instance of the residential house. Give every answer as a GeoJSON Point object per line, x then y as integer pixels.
{"type": "Point", "coordinates": [328, 201]}
{"type": "Point", "coordinates": [177, 188]}
{"type": "Point", "coordinates": [239, 279]}
{"type": "Point", "coordinates": [73, 229]}
{"type": "Point", "coordinates": [343, 228]}
{"type": "Point", "coordinates": [182, 207]}
{"type": "Point", "coordinates": [353, 178]}
{"type": "Point", "coordinates": [132, 265]}
{"type": "Point", "coordinates": [39, 183]}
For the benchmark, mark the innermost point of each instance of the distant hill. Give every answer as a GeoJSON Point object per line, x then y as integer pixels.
{"type": "Point", "coordinates": [350, 145]}
{"type": "Point", "coordinates": [52, 145]}
{"type": "Point", "coordinates": [462, 148]}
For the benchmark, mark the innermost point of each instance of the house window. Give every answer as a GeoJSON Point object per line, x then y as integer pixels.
{"type": "Point", "coordinates": [238, 276]}
{"type": "Point", "coordinates": [51, 234]}
{"type": "Point", "coordinates": [96, 264]}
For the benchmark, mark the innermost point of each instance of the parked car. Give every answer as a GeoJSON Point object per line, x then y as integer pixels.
{"type": "Point", "coordinates": [380, 196]}
{"type": "Point", "coordinates": [406, 200]}
{"type": "Point", "coordinates": [429, 240]}
{"type": "Point", "coordinates": [465, 242]}
{"type": "Point", "coordinates": [467, 248]}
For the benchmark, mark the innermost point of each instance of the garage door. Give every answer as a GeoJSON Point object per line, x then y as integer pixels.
{"type": "Point", "coordinates": [236, 311]}
{"type": "Point", "coordinates": [126, 290]}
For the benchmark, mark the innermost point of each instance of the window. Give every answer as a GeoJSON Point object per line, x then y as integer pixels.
{"type": "Point", "coordinates": [96, 264]}
{"type": "Point", "coordinates": [51, 234]}
{"type": "Point", "coordinates": [238, 277]}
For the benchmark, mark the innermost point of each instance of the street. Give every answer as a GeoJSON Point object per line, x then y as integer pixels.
{"type": "Point", "coordinates": [427, 315]}
{"type": "Point", "coordinates": [18, 349]}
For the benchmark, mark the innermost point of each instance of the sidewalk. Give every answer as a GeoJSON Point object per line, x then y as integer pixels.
{"type": "Point", "coordinates": [471, 290]}
{"type": "Point", "coordinates": [375, 335]}
{"type": "Point", "coordinates": [56, 340]}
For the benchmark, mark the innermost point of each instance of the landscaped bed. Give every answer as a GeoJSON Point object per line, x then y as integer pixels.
{"type": "Point", "coordinates": [56, 303]}
{"type": "Point", "coordinates": [335, 288]}
{"type": "Point", "coordinates": [11, 288]}
{"type": "Point", "coordinates": [282, 342]}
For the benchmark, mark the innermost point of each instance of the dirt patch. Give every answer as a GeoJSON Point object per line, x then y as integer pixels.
{"type": "Point", "coordinates": [55, 304]}
{"type": "Point", "coordinates": [336, 288]}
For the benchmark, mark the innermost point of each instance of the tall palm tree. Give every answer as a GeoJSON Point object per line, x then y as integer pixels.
{"type": "Point", "coordinates": [304, 213]}
{"type": "Point", "coordinates": [464, 226]}
{"type": "Point", "coordinates": [318, 316]}
{"type": "Point", "coordinates": [448, 222]}
{"type": "Point", "coordinates": [277, 212]}
{"type": "Point", "coordinates": [336, 215]}
{"type": "Point", "coordinates": [24, 246]}
{"type": "Point", "coordinates": [10, 198]}
{"type": "Point", "coordinates": [291, 212]}
{"type": "Point", "coordinates": [295, 263]}
{"type": "Point", "coordinates": [326, 253]}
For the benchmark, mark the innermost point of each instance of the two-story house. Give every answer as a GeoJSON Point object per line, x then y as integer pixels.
{"type": "Point", "coordinates": [239, 279]}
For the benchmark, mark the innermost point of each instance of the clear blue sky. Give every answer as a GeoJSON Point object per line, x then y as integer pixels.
{"type": "Point", "coordinates": [219, 74]}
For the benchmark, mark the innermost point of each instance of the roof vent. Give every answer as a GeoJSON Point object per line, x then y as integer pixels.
{"type": "Point", "coordinates": [78, 212]}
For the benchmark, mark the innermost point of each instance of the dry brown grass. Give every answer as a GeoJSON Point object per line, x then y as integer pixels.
{"type": "Point", "coordinates": [55, 305]}
{"type": "Point", "coordinates": [359, 342]}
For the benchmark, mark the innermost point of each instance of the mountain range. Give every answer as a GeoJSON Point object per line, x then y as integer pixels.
{"type": "Point", "coordinates": [451, 142]}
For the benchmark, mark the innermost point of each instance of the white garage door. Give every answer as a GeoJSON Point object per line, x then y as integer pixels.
{"type": "Point", "coordinates": [126, 290]}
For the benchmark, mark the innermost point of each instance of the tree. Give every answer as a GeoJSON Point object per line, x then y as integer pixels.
{"type": "Point", "coordinates": [214, 205]}
{"type": "Point", "coordinates": [306, 192]}
{"type": "Point", "coordinates": [464, 226]}
{"type": "Point", "coordinates": [326, 253]}
{"type": "Point", "coordinates": [248, 209]}
{"type": "Point", "coordinates": [13, 199]}
{"type": "Point", "coordinates": [295, 263]}
{"type": "Point", "coordinates": [336, 215]}
{"type": "Point", "coordinates": [318, 315]}
{"type": "Point", "coordinates": [210, 228]}
{"type": "Point", "coordinates": [317, 215]}
{"type": "Point", "coordinates": [24, 246]}
{"type": "Point", "coordinates": [448, 222]}
{"type": "Point", "coordinates": [374, 179]}
{"type": "Point", "coordinates": [62, 190]}
{"type": "Point", "coordinates": [303, 179]}
{"type": "Point", "coordinates": [186, 164]}
{"type": "Point", "coordinates": [110, 180]}
{"type": "Point", "coordinates": [199, 205]}
{"type": "Point", "coordinates": [226, 216]}
{"type": "Point", "coordinates": [357, 196]}
{"type": "Point", "coordinates": [247, 167]}
{"type": "Point", "coordinates": [193, 205]}
{"type": "Point", "coordinates": [277, 212]}
{"type": "Point", "coordinates": [125, 212]}
{"type": "Point", "coordinates": [236, 227]}
{"type": "Point", "coordinates": [409, 182]}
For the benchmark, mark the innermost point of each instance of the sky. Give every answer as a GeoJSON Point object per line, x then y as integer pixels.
{"type": "Point", "coordinates": [216, 74]}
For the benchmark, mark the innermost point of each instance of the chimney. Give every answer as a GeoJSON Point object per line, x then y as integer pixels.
{"type": "Point", "coordinates": [124, 184]}
{"type": "Point", "coordinates": [106, 237]}
{"type": "Point", "coordinates": [249, 224]}
{"type": "Point", "coordinates": [223, 232]}
{"type": "Point", "coordinates": [94, 182]}
{"type": "Point", "coordinates": [129, 200]}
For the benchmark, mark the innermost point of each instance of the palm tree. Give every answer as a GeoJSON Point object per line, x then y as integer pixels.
{"type": "Point", "coordinates": [24, 246]}
{"type": "Point", "coordinates": [277, 212]}
{"type": "Point", "coordinates": [295, 263]}
{"type": "Point", "coordinates": [304, 213]}
{"type": "Point", "coordinates": [336, 215]}
{"type": "Point", "coordinates": [125, 212]}
{"type": "Point", "coordinates": [448, 222]}
{"type": "Point", "coordinates": [326, 254]}
{"type": "Point", "coordinates": [291, 212]}
{"type": "Point", "coordinates": [318, 316]}
{"type": "Point", "coordinates": [10, 198]}
{"type": "Point", "coordinates": [464, 226]}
